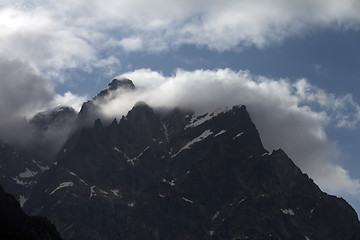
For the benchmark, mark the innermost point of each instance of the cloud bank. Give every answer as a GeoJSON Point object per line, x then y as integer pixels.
{"type": "Point", "coordinates": [288, 115]}
{"type": "Point", "coordinates": [23, 93]}
{"type": "Point", "coordinates": [56, 35]}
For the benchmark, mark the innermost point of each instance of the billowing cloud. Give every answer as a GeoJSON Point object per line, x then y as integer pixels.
{"type": "Point", "coordinates": [288, 115]}
{"type": "Point", "coordinates": [68, 99]}
{"type": "Point", "coordinates": [55, 35]}
{"type": "Point", "coordinates": [36, 37]}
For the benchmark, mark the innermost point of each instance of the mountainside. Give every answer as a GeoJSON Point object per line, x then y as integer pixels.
{"type": "Point", "coordinates": [21, 166]}
{"type": "Point", "coordinates": [14, 224]}
{"type": "Point", "coordinates": [179, 175]}
{"type": "Point", "coordinates": [19, 172]}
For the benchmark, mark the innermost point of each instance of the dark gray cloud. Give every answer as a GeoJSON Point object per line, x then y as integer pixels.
{"type": "Point", "coordinates": [24, 92]}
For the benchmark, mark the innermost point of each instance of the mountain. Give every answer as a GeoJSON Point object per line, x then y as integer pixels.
{"type": "Point", "coordinates": [176, 174]}
{"type": "Point", "coordinates": [14, 224]}
{"type": "Point", "coordinates": [57, 117]}
{"type": "Point", "coordinates": [21, 166]}
{"type": "Point", "coordinates": [51, 130]}
{"type": "Point", "coordinates": [90, 110]}
{"type": "Point", "coordinates": [19, 171]}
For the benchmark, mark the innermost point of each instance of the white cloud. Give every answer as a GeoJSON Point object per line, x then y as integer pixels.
{"type": "Point", "coordinates": [109, 66]}
{"type": "Point", "coordinates": [288, 115]}
{"type": "Point", "coordinates": [344, 110]}
{"type": "Point", "coordinates": [68, 99]}
{"type": "Point", "coordinates": [37, 37]}
{"type": "Point", "coordinates": [107, 61]}
{"type": "Point", "coordinates": [67, 34]}
{"type": "Point", "coordinates": [339, 182]}
{"type": "Point", "coordinates": [131, 44]}
{"type": "Point", "coordinates": [217, 24]}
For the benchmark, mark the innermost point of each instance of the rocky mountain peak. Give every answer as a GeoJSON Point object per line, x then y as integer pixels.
{"type": "Point", "coordinates": [90, 111]}
{"type": "Point", "coordinates": [141, 112]}
{"type": "Point", "coordinates": [179, 174]}
{"type": "Point", "coordinates": [54, 117]}
{"type": "Point", "coordinates": [50, 130]}
{"type": "Point", "coordinates": [121, 83]}
{"type": "Point", "coordinates": [115, 84]}
{"type": "Point", "coordinates": [172, 174]}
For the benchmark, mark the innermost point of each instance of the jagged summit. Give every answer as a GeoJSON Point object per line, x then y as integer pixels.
{"type": "Point", "coordinates": [90, 111]}
{"type": "Point", "coordinates": [174, 174]}
{"type": "Point", "coordinates": [141, 110]}
{"type": "Point", "coordinates": [116, 84]}
{"type": "Point", "coordinates": [123, 83]}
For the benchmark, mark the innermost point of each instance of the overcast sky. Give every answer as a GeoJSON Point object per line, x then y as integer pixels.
{"type": "Point", "coordinates": [295, 64]}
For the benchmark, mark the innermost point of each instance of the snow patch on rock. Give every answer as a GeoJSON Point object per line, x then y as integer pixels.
{"type": "Point", "coordinates": [27, 174]}
{"type": "Point", "coordinates": [22, 200]}
{"type": "Point", "coordinates": [197, 119]}
{"type": "Point", "coordinates": [219, 133]}
{"type": "Point", "coordinates": [204, 135]}
{"type": "Point", "coordinates": [62, 185]}
{"type": "Point", "coordinates": [238, 135]}
{"type": "Point", "coordinates": [288, 211]}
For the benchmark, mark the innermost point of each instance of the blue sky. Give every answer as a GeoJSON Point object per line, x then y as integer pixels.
{"type": "Point", "coordinates": [295, 64]}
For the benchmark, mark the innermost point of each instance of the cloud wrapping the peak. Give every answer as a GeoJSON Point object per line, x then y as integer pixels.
{"type": "Point", "coordinates": [288, 115]}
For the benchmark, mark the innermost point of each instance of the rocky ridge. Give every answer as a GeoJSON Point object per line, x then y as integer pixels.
{"type": "Point", "coordinates": [178, 175]}
{"type": "Point", "coordinates": [175, 174]}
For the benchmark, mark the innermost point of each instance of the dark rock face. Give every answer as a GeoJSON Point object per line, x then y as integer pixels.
{"type": "Point", "coordinates": [184, 176]}
{"type": "Point", "coordinates": [14, 224]}
{"type": "Point", "coordinates": [21, 166]}
{"type": "Point", "coordinates": [19, 172]}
